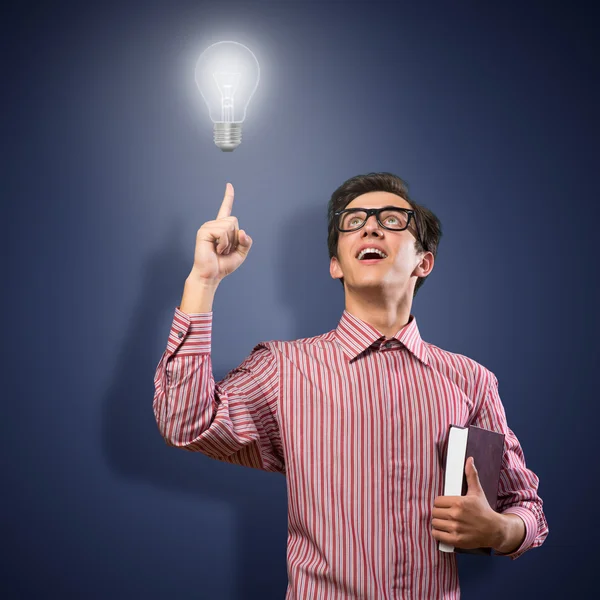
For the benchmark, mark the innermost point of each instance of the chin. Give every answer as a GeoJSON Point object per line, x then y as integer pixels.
{"type": "Point", "coordinates": [371, 282]}
{"type": "Point", "coordinates": [375, 281]}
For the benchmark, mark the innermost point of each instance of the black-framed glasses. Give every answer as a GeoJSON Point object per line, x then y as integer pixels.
{"type": "Point", "coordinates": [389, 217]}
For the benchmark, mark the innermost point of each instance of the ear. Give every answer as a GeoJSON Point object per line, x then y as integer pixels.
{"type": "Point", "coordinates": [425, 265]}
{"type": "Point", "coordinates": [335, 269]}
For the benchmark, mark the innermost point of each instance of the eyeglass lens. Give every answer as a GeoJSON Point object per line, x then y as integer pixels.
{"type": "Point", "coordinates": [392, 219]}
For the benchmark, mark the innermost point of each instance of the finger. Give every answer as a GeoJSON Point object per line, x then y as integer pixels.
{"type": "Point", "coordinates": [233, 235]}
{"type": "Point", "coordinates": [442, 513]}
{"type": "Point", "coordinates": [227, 204]}
{"type": "Point", "coordinates": [225, 243]}
{"type": "Point", "coordinates": [231, 241]}
{"type": "Point", "coordinates": [442, 525]}
{"type": "Point", "coordinates": [221, 243]}
{"type": "Point", "coordinates": [444, 537]}
{"type": "Point", "coordinates": [219, 235]}
{"type": "Point", "coordinates": [446, 501]}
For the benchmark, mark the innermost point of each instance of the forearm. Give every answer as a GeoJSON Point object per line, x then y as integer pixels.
{"type": "Point", "coordinates": [511, 533]}
{"type": "Point", "coordinates": [198, 295]}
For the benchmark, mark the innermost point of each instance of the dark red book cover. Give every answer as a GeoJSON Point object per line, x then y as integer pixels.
{"type": "Point", "coordinates": [487, 449]}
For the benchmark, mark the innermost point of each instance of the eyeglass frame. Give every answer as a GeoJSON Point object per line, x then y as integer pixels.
{"type": "Point", "coordinates": [377, 212]}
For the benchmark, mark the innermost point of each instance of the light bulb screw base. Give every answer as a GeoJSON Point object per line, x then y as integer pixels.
{"type": "Point", "coordinates": [228, 136]}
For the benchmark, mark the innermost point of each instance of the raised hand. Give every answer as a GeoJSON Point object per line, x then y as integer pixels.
{"type": "Point", "coordinates": [221, 246]}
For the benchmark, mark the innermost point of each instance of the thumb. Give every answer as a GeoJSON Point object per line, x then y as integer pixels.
{"type": "Point", "coordinates": [245, 241]}
{"type": "Point", "coordinates": [473, 483]}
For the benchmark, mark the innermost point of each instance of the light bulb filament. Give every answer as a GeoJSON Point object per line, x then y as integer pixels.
{"type": "Point", "coordinates": [227, 82]}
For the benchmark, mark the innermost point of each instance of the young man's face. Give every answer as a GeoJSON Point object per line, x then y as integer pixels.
{"type": "Point", "coordinates": [402, 262]}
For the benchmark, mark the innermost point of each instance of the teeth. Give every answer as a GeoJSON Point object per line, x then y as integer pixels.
{"type": "Point", "coordinates": [376, 250]}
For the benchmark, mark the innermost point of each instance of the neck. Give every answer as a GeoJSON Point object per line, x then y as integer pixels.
{"type": "Point", "coordinates": [388, 313]}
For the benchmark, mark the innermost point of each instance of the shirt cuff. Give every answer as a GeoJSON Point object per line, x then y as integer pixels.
{"type": "Point", "coordinates": [190, 333]}
{"type": "Point", "coordinates": [531, 528]}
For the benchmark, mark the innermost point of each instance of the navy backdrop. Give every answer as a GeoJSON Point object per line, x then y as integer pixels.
{"type": "Point", "coordinates": [109, 169]}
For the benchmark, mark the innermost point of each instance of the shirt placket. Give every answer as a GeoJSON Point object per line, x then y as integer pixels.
{"type": "Point", "coordinates": [383, 360]}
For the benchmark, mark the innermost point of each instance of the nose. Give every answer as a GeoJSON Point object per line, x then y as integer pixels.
{"type": "Point", "coordinates": [372, 226]}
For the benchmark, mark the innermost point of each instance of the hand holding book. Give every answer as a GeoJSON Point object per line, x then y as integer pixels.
{"type": "Point", "coordinates": [467, 522]}
{"type": "Point", "coordinates": [468, 518]}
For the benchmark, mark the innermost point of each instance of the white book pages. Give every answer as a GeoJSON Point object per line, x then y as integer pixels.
{"type": "Point", "coordinates": [455, 466]}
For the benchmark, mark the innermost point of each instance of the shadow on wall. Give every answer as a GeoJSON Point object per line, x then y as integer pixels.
{"type": "Point", "coordinates": [135, 450]}
{"type": "Point", "coordinates": [315, 300]}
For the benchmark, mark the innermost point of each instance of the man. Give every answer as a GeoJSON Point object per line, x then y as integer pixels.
{"type": "Point", "coordinates": [354, 418]}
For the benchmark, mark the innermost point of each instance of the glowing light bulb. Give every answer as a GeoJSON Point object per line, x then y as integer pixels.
{"type": "Point", "coordinates": [227, 75]}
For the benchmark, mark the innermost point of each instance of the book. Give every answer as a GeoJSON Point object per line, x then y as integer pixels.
{"type": "Point", "coordinates": [487, 448]}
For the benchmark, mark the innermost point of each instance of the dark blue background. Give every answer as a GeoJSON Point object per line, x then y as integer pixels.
{"type": "Point", "coordinates": [109, 168]}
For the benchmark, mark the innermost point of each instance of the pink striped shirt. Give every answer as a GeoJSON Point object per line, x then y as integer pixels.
{"type": "Point", "coordinates": [357, 424]}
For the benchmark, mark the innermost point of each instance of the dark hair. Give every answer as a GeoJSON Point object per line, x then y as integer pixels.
{"type": "Point", "coordinates": [428, 225]}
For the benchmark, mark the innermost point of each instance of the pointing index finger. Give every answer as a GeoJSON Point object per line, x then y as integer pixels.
{"type": "Point", "coordinates": [227, 205]}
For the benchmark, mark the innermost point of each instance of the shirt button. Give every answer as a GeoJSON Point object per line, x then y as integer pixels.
{"type": "Point", "coordinates": [180, 334]}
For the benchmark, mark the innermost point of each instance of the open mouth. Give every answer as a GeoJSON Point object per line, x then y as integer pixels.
{"type": "Point", "coordinates": [371, 255]}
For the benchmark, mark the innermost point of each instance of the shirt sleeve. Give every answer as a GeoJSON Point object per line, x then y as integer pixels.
{"type": "Point", "coordinates": [518, 488]}
{"type": "Point", "coordinates": [234, 420]}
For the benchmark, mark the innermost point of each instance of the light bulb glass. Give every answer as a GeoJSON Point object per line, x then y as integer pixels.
{"type": "Point", "coordinates": [227, 74]}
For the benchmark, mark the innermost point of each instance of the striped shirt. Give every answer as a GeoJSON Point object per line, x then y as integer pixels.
{"type": "Point", "coordinates": [357, 423]}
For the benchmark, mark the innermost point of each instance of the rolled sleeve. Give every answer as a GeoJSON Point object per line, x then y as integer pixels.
{"type": "Point", "coordinates": [531, 530]}
{"type": "Point", "coordinates": [518, 487]}
{"type": "Point", "coordinates": [234, 420]}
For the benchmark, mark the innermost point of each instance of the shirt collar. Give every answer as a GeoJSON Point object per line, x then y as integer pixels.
{"type": "Point", "coordinates": [355, 336]}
